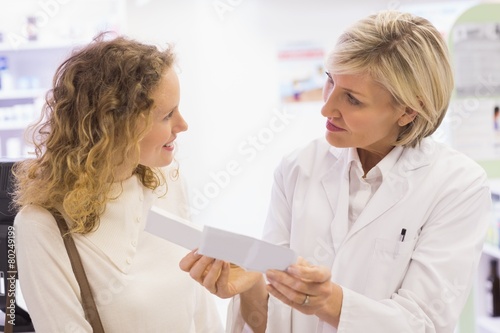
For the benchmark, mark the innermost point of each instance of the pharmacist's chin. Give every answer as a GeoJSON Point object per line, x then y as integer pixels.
{"type": "Point", "coordinates": [334, 140]}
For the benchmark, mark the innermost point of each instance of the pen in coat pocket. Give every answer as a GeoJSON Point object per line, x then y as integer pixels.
{"type": "Point", "coordinates": [401, 239]}
{"type": "Point", "coordinates": [402, 236]}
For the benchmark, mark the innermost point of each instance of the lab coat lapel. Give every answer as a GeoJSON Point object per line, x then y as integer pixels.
{"type": "Point", "coordinates": [388, 194]}
{"type": "Point", "coordinates": [393, 187]}
{"type": "Point", "coordinates": [336, 185]}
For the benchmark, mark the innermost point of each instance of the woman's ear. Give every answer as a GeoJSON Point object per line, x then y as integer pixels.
{"type": "Point", "coordinates": [407, 117]}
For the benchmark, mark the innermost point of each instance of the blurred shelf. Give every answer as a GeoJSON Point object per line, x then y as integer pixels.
{"type": "Point", "coordinates": [21, 94]}
{"type": "Point", "coordinates": [489, 324]}
{"type": "Point", "coordinates": [14, 127]}
{"type": "Point", "coordinates": [492, 251]}
{"type": "Point", "coordinates": [23, 45]}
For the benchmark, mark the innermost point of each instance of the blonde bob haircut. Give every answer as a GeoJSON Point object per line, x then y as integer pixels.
{"type": "Point", "coordinates": [88, 129]}
{"type": "Point", "coordinates": [408, 57]}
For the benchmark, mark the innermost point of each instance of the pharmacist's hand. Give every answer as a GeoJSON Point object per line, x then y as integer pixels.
{"type": "Point", "coordinates": [304, 287]}
{"type": "Point", "coordinates": [219, 277]}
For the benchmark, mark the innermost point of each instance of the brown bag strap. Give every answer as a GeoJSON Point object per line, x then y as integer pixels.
{"type": "Point", "coordinates": [88, 303]}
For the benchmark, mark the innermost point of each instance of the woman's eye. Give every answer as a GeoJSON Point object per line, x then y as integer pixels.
{"type": "Point", "coordinates": [352, 100]}
{"type": "Point", "coordinates": [330, 80]}
{"type": "Point", "coordinates": [168, 116]}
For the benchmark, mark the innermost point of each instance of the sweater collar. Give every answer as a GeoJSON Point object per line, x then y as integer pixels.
{"type": "Point", "coordinates": [122, 222]}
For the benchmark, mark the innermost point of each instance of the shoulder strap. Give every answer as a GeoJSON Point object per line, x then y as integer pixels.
{"type": "Point", "coordinates": [88, 303]}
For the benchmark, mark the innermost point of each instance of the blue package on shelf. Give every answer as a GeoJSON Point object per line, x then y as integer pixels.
{"type": "Point", "coordinates": [3, 63]}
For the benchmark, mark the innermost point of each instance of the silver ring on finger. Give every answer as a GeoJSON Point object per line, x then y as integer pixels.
{"type": "Point", "coordinates": [306, 300]}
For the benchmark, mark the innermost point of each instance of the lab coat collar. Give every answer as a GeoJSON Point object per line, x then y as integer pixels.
{"type": "Point", "coordinates": [381, 169]}
{"type": "Point", "coordinates": [402, 160]}
{"type": "Point", "coordinates": [395, 184]}
{"type": "Point", "coordinates": [335, 182]}
{"type": "Point", "coordinates": [332, 183]}
{"type": "Point", "coordinates": [336, 152]}
{"type": "Point", "coordinates": [393, 187]}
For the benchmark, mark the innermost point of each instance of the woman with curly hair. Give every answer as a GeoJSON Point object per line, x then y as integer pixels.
{"type": "Point", "coordinates": [108, 129]}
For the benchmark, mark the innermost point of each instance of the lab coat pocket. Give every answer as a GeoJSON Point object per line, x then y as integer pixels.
{"type": "Point", "coordinates": [387, 267]}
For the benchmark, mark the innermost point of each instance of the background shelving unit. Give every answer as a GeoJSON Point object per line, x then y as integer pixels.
{"type": "Point", "coordinates": [33, 53]}
{"type": "Point", "coordinates": [484, 323]}
{"type": "Point", "coordinates": [30, 70]}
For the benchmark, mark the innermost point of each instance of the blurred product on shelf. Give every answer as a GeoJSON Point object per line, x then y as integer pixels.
{"type": "Point", "coordinates": [493, 290]}
{"type": "Point", "coordinates": [493, 234]}
{"type": "Point", "coordinates": [6, 80]}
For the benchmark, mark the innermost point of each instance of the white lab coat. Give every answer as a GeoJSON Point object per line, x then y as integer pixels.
{"type": "Point", "coordinates": [438, 195]}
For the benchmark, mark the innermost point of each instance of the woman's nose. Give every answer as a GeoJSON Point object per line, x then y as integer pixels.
{"type": "Point", "coordinates": [181, 125]}
{"type": "Point", "coordinates": [328, 109]}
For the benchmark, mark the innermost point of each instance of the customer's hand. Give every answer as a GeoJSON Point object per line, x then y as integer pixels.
{"type": "Point", "coordinates": [219, 277]}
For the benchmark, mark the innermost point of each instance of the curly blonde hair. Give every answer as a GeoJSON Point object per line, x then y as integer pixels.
{"type": "Point", "coordinates": [89, 128]}
{"type": "Point", "coordinates": [408, 56]}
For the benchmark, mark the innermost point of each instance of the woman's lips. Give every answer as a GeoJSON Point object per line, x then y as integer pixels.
{"type": "Point", "coordinates": [332, 128]}
{"type": "Point", "coordinates": [169, 146]}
